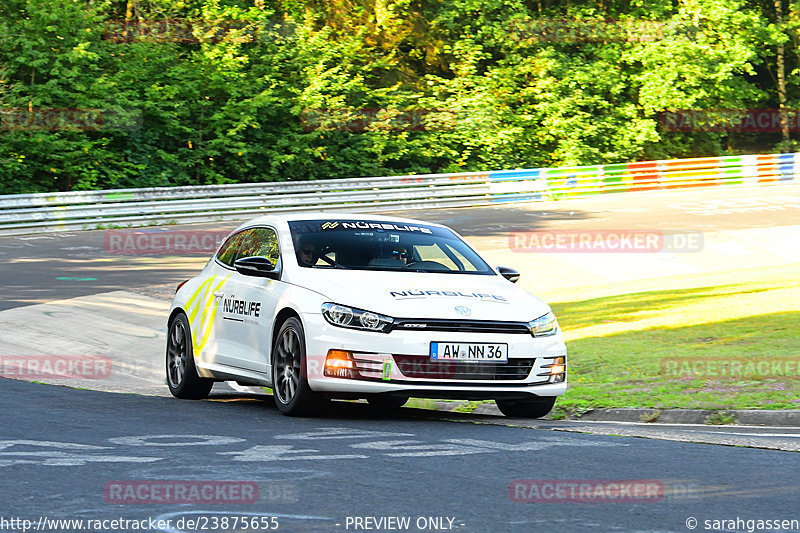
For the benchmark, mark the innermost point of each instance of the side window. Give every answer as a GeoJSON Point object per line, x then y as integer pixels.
{"type": "Point", "coordinates": [227, 254]}
{"type": "Point", "coordinates": [260, 242]}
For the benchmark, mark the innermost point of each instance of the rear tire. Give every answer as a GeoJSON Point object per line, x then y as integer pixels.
{"type": "Point", "coordinates": [534, 408]}
{"type": "Point", "coordinates": [290, 388]}
{"type": "Point", "coordinates": [386, 402]}
{"type": "Point", "coordinates": [182, 377]}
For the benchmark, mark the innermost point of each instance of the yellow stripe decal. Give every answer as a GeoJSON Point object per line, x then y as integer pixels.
{"type": "Point", "coordinates": [190, 302]}
{"type": "Point", "coordinates": [209, 323]}
{"type": "Point", "coordinates": [203, 300]}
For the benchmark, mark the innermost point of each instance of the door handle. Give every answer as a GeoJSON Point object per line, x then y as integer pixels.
{"type": "Point", "coordinates": [218, 294]}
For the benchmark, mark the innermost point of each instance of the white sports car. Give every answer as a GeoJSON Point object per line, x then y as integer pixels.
{"type": "Point", "coordinates": [358, 306]}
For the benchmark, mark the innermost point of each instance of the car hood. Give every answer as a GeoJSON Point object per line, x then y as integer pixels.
{"type": "Point", "coordinates": [424, 295]}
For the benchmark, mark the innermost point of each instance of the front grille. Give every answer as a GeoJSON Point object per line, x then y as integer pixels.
{"type": "Point", "coordinates": [421, 367]}
{"type": "Point", "coordinates": [465, 326]}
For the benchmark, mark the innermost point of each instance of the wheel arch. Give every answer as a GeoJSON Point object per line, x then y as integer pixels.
{"type": "Point", "coordinates": [282, 316]}
{"type": "Point", "coordinates": [179, 311]}
{"type": "Point", "coordinates": [175, 312]}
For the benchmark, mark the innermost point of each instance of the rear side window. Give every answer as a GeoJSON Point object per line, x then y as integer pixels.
{"type": "Point", "coordinates": [261, 242]}
{"type": "Point", "coordinates": [227, 254]}
{"type": "Point", "coordinates": [249, 243]}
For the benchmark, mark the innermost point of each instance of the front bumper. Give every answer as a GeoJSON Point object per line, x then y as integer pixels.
{"type": "Point", "coordinates": [398, 362]}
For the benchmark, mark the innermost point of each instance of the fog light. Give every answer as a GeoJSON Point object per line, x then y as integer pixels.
{"type": "Point", "coordinates": [339, 364]}
{"type": "Point", "coordinates": [558, 370]}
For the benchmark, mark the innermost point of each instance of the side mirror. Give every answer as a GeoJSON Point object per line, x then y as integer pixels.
{"type": "Point", "coordinates": [509, 273]}
{"type": "Point", "coordinates": [256, 266]}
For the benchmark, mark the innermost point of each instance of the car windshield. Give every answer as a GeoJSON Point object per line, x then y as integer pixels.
{"type": "Point", "coordinates": [380, 245]}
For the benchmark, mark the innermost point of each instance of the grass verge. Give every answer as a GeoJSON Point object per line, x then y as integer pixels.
{"type": "Point", "coordinates": [674, 348]}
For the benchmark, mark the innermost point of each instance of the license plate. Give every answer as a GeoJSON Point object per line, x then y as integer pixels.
{"type": "Point", "coordinates": [474, 351]}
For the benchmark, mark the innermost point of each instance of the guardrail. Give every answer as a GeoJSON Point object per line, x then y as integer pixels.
{"type": "Point", "coordinates": [48, 212]}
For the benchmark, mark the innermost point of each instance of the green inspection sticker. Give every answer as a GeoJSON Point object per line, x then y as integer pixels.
{"type": "Point", "coordinates": [387, 370]}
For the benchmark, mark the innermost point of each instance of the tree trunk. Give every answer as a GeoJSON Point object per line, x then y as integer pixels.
{"type": "Point", "coordinates": [128, 21]}
{"type": "Point", "coordinates": [784, 113]}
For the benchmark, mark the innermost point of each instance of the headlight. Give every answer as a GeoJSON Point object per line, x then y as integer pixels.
{"type": "Point", "coordinates": [350, 317]}
{"type": "Point", "coordinates": [544, 326]}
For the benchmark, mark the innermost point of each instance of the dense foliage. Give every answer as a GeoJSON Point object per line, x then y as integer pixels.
{"type": "Point", "coordinates": [281, 90]}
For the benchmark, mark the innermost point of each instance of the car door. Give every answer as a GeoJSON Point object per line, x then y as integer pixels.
{"type": "Point", "coordinates": [247, 307]}
{"type": "Point", "coordinates": [222, 279]}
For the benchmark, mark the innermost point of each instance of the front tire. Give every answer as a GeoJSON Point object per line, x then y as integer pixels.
{"type": "Point", "coordinates": [291, 391]}
{"type": "Point", "coordinates": [538, 407]}
{"type": "Point", "coordinates": [182, 377]}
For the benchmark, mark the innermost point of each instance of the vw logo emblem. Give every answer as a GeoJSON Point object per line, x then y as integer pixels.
{"type": "Point", "coordinates": [463, 310]}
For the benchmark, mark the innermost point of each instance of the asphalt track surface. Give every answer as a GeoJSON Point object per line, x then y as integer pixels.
{"type": "Point", "coordinates": [31, 265]}
{"type": "Point", "coordinates": [314, 474]}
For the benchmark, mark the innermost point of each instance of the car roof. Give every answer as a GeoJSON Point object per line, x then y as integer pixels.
{"type": "Point", "coordinates": [288, 217]}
